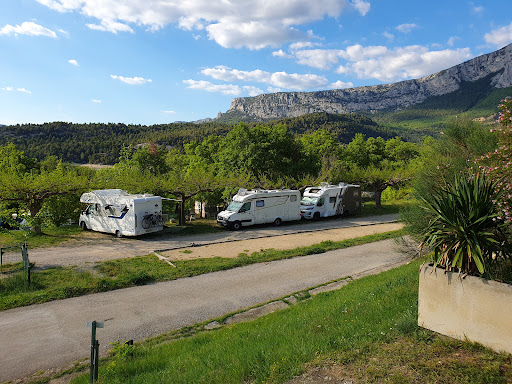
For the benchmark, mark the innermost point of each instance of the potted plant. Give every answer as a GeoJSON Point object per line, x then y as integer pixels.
{"type": "Point", "coordinates": [467, 239]}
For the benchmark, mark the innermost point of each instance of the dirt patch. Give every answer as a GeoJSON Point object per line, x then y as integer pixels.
{"type": "Point", "coordinates": [234, 248]}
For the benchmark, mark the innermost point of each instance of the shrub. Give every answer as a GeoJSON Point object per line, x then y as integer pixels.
{"type": "Point", "coordinates": [465, 232]}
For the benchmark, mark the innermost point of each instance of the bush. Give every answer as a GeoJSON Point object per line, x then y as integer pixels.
{"type": "Point", "coordinates": [465, 232]}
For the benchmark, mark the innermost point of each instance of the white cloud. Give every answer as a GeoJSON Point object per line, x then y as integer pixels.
{"type": "Point", "coordinates": [451, 41]}
{"type": "Point", "coordinates": [252, 91]}
{"type": "Point", "coordinates": [405, 63]}
{"type": "Point", "coordinates": [282, 54]}
{"type": "Point", "coordinates": [303, 44]}
{"type": "Point", "coordinates": [478, 10]}
{"type": "Point", "coordinates": [227, 74]}
{"type": "Point", "coordinates": [295, 81]}
{"type": "Point", "coordinates": [285, 80]}
{"type": "Point", "coordinates": [12, 89]}
{"type": "Point", "coordinates": [252, 24]}
{"type": "Point", "coordinates": [73, 62]}
{"type": "Point", "coordinates": [341, 85]}
{"type": "Point", "coordinates": [131, 80]}
{"type": "Point", "coordinates": [406, 28]}
{"type": "Point", "coordinates": [110, 26]}
{"type": "Point", "coordinates": [363, 7]}
{"type": "Point", "coordinates": [319, 58]}
{"type": "Point", "coordinates": [225, 89]}
{"type": "Point", "coordinates": [274, 89]}
{"type": "Point", "coordinates": [97, 101]}
{"type": "Point", "coordinates": [389, 36]}
{"type": "Point", "coordinates": [169, 112]}
{"type": "Point", "coordinates": [500, 37]}
{"type": "Point", "coordinates": [28, 28]}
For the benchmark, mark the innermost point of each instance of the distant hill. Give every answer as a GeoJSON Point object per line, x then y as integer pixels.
{"type": "Point", "coordinates": [101, 143]}
{"type": "Point", "coordinates": [460, 88]}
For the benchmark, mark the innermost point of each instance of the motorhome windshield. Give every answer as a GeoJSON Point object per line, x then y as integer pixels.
{"type": "Point", "coordinates": [306, 200]}
{"type": "Point", "coordinates": [234, 206]}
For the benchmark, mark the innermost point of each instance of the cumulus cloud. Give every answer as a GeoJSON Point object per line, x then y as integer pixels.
{"type": "Point", "coordinates": [96, 101]}
{"type": "Point", "coordinates": [478, 10]}
{"type": "Point", "coordinates": [73, 62]}
{"type": "Point", "coordinates": [27, 28]}
{"type": "Point", "coordinates": [293, 81]}
{"type": "Point", "coordinates": [252, 24]}
{"type": "Point", "coordinates": [363, 7]}
{"type": "Point", "coordinates": [500, 37]}
{"type": "Point", "coordinates": [406, 28]}
{"type": "Point", "coordinates": [13, 89]}
{"type": "Point", "coordinates": [282, 54]}
{"type": "Point", "coordinates": [225, 89]}
{"type": "Point", "coordinates": [169, 112]}
{"type": "Point", "coordinates": [319, 58]}
{"type": "Point", "coordinates": [131, 80]}
{"type": "Point", "coordinates": [341, 85]}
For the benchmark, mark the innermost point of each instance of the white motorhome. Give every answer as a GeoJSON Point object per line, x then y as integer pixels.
{"type": "Point", "coordinates": [330, 200]}
{"type": "Point", "coordinates": [116, 211]}
{"type": "Point", "coordinates": [260, 207]}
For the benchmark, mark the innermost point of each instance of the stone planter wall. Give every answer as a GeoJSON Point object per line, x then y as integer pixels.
{"type": "Point", "coordinates": [471, 308]}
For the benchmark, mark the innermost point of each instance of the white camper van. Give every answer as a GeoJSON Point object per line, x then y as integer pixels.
{"type": "Point", "coordinates": [330, 200]}
{"type": "Point", "coordinates": [260, 207]}
{"type": "Point", "coordinates": [116, 211]}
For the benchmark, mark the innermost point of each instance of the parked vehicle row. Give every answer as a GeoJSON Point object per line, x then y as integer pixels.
{"type": "Point", "coordinates": [123, 214]}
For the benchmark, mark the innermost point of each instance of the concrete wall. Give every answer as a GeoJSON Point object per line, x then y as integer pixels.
{"type": "Point", "coordinates": [471, 308]}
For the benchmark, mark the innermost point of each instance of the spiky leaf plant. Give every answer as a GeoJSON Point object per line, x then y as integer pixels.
{"type": "Point", "coordinates": [465, 232]}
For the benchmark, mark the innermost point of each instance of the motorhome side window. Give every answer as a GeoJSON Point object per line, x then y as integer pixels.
{"type": "Point", "coordinates": [245, 207]}
{"type": "Point", "coordinates": [293, 198]}
{"type": "Point", "coordinates": [260, 203]}
{"type": "Point", "coordinates": [320, 202]}
{"type": "Point", "coordinates": [332, 199]}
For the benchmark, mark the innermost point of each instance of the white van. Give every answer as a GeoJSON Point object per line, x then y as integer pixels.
{"type": "Point", "coordinates": [330, 200]}
{"type": "Point", "coordinates": [116, 211]}
{"type": "Point", "coordinates": [260, 207]}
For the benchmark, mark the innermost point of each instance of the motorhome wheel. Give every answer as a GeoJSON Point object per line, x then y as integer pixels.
{"type": "Point", "coordinates": [236, 226]}
{"type": "Point", "coordinates": [278, 222]}
{"type": "Point", "coordinates": [83, 225]}
{"type": "Point", "coordinates": [316, 216]}
{"type": "Point", "coordinates": [119, 234]}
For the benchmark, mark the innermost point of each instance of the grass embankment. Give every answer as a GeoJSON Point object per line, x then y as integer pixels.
{"type": "Point", "coordinates": [49, 237]}
{"type": "Point", "coordinates": [60, 283]}
{"type": "Point", "coordinates": [365, 332]}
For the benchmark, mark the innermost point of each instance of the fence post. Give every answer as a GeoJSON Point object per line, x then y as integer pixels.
{"type": "Point", "coordinates": [26, 263]}
{"type": "Point", "coordinates": [1, 258]}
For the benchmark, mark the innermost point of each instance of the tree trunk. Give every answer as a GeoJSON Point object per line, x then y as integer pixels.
{"type": "Point", "coordinates": [34, 209]}
{"type": "Point", "coordinates": [378, 198]}
{"type": "Point", "coordinates": [181, 218]}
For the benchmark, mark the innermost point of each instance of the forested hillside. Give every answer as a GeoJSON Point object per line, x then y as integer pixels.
{"type": "Point", "coordinates": [101, 143]}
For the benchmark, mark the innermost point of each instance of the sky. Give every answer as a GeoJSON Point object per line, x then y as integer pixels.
{"type": "Point", "coordinates": [160, 61]}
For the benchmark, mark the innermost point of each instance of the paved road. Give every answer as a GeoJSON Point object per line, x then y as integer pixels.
{"type": "Point", "coordinates": [112, 248]}
{"type": "Point", "coordinates": [54, 334]}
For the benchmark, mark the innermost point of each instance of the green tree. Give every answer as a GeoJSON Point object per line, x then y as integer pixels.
{"type": "Point", "coordinates": [25, 182]}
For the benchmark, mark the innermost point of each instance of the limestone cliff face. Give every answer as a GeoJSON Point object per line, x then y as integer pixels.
{"type": "Point", "coordinates": [394, 96]}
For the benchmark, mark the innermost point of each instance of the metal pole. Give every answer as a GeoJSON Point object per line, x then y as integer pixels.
{"type": "Point", "coordinates": [93, 370]}
{"type": "Point", "coordinates": [1, 257]}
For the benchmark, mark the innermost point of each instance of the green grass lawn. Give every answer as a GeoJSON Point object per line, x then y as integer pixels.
{"type": "Point", "coordinates": [50, 236]}
{"type": "Point", "coordinates": [64, 282]}
{"type": "Point", "coordinates": [366, 331]}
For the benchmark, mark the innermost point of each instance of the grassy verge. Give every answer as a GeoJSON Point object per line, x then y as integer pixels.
{"type": "Point", "coordinates": [365, 332]}
{"type": "Point", "coordinates": [50, 236]}
{"type": "Point", "coordinates": [59, 283]}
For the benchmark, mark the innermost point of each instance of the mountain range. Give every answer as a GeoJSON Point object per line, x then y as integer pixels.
{"type": "Point", "coordinates": [489, 72]}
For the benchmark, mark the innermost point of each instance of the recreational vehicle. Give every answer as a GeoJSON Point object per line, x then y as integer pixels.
{"type": "Point", "coordinates": [260, 207]}
{"type": "Point", "coordinates": [330, 200]}
{"type": "Point", "coordinates": [116, 211]}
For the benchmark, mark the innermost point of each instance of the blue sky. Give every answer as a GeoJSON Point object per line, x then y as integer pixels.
{"type": "Point", "coordinates": [158, 61]}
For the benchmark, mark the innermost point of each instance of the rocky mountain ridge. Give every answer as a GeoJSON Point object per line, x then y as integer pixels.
{"type": "Point", "coordinates": [393, 97]}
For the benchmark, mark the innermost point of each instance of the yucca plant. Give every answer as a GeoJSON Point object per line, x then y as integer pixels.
{"type": "Point", "coordinates": [465, 232]}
